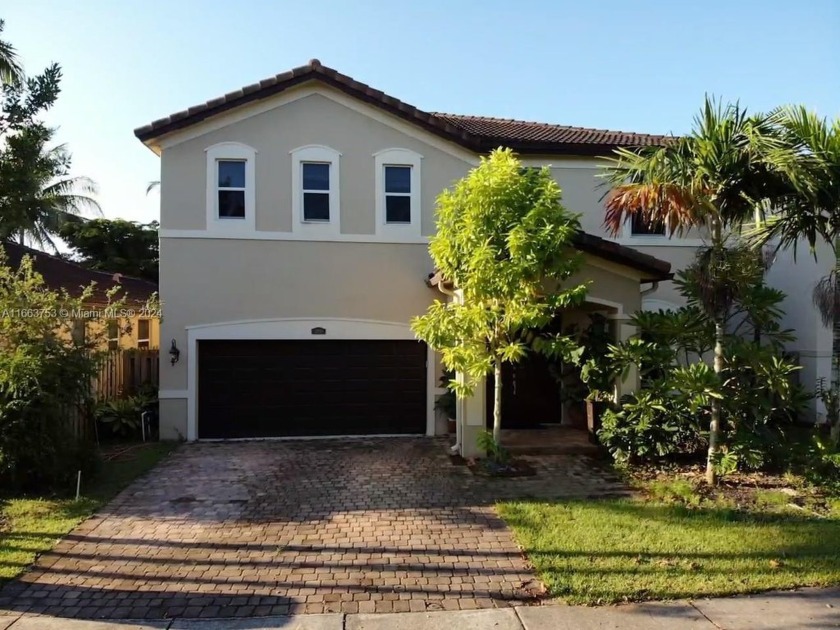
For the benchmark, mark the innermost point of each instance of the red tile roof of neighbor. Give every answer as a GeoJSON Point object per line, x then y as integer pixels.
{"type": "Point", "coordinates": [477, 133]}
{"type": "Point", "coordinates": [64, 274]}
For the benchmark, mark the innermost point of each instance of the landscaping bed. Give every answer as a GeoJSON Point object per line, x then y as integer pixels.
{"type": "Point", "coordinates": [32, 525]}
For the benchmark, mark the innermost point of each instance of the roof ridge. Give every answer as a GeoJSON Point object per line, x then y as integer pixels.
{"type": "Point", "coordinates": [455, 128]}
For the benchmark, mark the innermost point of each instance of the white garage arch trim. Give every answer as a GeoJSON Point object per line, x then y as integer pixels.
{"type": "Point", "coordinates": [297, 329]}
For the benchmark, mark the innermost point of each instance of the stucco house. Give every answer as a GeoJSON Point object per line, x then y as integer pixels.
{"type": "Point", "coordinates": [295, 217]}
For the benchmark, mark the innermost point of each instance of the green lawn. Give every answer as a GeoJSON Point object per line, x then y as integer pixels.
{"type": "Point", "coordinates": [32, 525]}
{"type": "Point", "coordinates": [599, 552]}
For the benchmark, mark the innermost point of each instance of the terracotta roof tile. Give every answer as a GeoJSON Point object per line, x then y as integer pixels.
{"type": "Point", "coordinates": [476, 133]}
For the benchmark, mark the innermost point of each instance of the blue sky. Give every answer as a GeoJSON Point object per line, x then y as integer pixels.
{"type": "Point", "coordinates": [632, 65]}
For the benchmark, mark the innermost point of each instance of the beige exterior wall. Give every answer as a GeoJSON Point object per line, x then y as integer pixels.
{"type": "Point", "coordinates": [270, 273]}
{"type": "Point", "coordinates": [312, 120]}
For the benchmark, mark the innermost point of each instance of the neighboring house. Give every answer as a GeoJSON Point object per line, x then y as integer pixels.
{"type": "Point", "coordinates": [295, 217]}
{"type": "Point", "coordinates": [141, 330]}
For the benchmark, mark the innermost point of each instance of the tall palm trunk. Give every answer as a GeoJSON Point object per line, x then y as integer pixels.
{"type": "Point", "coordinates": [714, 425]}
{"type": "Point", "coordinates": [497, 401]}
{"type": "Point", "coordinates": [833, 413]}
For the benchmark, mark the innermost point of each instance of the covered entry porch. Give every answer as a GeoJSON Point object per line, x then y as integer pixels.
{"type": "Point", "coordinates": [534, 403]}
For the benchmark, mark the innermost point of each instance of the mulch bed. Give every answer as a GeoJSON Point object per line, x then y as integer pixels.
{"type": "Point", "coordinates": [740, 490]}
{"type": "Point", "coordinates": [512, 468]}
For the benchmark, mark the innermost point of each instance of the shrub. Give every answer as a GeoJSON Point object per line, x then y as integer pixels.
{"type": "Point", "coordinates": [45, 374]}
{"type": "Point", "coordinates": [670, 414]}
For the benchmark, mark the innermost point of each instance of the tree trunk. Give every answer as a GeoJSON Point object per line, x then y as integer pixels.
{"type": "Point", "coordinates": [497, 401]}
{"type": "Point", "coordinates": [714, 426]}
{"type": "Point", "coordinates": [833, 414]}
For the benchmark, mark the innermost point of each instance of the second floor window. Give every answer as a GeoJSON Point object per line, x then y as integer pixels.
{"type": "Point", "coordinates": [397, 194]}
{"type": "Point", "coordinates": [316, 191]}
{"type": "Point", "coordinates": [231, 182]}
{"type": "Point", "coordinates": [231, 197]}
{"type": "Point", "coordinates": [641, 227]}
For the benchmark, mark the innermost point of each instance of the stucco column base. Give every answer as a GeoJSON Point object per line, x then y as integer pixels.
{"type": "Point", "coordinates": [472, 420]}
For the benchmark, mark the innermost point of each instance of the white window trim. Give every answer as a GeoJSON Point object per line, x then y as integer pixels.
{"type": "Point", "coordinates": [316, 153]}
{"type": "Point", "coordinates": [231, 151]}
{"type": "Point", "coordinates": [398, 157]}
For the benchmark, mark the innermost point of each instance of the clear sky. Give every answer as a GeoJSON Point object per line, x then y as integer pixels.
{"type": "Point", "coordinates": [637, 65]}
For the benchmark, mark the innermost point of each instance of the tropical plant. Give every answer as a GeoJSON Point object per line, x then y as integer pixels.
{"type": "Point", "coordinates": [809, 160]}
{"type": "Point", "coordinates": [46, 197]}
{"type": "Point", "coordinates": [505, 242]}
{"type": "Point", "coordinates": [710, 181]}
{"type": "Point", "coordinates": [114, 245]}
{"type": "Point", "coordinates": [121, 417]}
{"type": "Point", "coordinates": [10, 68]}
{"type": "Point", "coordinates": [37, 192]}
{"type": "Point", "coordinates": [755, 389]}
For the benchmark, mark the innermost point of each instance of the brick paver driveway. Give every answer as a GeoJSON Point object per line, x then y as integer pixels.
{"type": "Point", "coordinates": [259, 528]}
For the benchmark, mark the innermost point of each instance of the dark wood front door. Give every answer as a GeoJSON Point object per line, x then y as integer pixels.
{"type": "Point", "coordinates": [530, 394]}
{"type": "Point", "coordinates": [276, 388]}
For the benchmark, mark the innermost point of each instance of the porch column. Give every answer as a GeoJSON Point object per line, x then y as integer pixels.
{"type": "Point", "coordinates": [471, 420]}
{"type": "Point", "coordinates": [622, 331]}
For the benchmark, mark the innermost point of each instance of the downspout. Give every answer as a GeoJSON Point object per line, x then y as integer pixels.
{"type": "Point", "coordinates": [455, 448]}
{"type": "Point", "coordinates": [653, 287]}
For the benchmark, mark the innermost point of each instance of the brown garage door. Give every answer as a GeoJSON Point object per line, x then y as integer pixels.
{"type": "Point", "coordinates": [295, 388]}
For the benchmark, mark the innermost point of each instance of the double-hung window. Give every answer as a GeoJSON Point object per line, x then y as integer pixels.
{"type": "Point", "coordinates": [231, 189]}
{"type": "Point", "coordinates": [398, 194]}
{"type": "Point", "coordinates": [231, 196]}
{"type": "Point", "coordinates": [316, 191]}
{"type": "Point", "coordinates": [316, 186]}
{"type": "Point", "coordinates": [397, 181]}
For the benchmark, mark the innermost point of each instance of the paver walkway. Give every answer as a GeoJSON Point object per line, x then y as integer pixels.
{"type": "Point", "coordinates": [273, 528]}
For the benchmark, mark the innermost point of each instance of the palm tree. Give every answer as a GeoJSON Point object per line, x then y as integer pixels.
{"type": "Point", "coordinates": [47, 198]}
{"type": "Point", "coordinates": [810, 162]}
{"type": "Point", "coordinates": [10, 69]}
{"type": "Point", "coordinates": [711, 182]}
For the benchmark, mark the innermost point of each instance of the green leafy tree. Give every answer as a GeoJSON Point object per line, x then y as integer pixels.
{"type": "Point", "coordinates": [37, 192]}
{"type": "Point", "coordinates": [712, 180]}
{"type": "Point", "coordinates": [115, 245]}
{"type": "Point", "coordinates": [809, 159]}
{"type": "Point", "coordinates": [505, 241]}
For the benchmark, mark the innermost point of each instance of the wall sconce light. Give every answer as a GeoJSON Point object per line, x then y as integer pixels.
{"type": "Point", "coordinates": [174, 353]}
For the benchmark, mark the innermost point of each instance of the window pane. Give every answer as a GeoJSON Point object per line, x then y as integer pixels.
{"type": "Point", "coordinates": [398, 179]}
{"type": "Point", "coordinates": [316, 206]}
{"type": "Point", "coordinates": [316, 176]}
{"type": "Point", "coordinates": [231, 174]}
{"type": "Point", "coordinates": [232, 204]}
{"type": "Point", "coordinates": [397, 209]}
{"type": "Point", "coordinates": [641, 227]}
{"type": "Point", "coordinates": [142, 328]}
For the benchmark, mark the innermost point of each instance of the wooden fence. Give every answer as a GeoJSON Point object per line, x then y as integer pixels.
{"type": "Point", "coordinates": [124, 371]}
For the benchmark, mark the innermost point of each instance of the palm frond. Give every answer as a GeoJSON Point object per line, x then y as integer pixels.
{"type": "Point", "coordinates": [827, 298]}
{"type": "Point", "coordinates": [10, 69]}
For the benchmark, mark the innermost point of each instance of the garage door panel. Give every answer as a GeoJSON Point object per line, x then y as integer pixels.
{"type": "Point", "coordinates": [297, 388]}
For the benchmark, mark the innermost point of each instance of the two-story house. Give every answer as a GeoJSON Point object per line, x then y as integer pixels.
{"type": "Point", "coordinates": [295, 218]}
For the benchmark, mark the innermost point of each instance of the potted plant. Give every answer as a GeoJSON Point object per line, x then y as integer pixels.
{"type": "Point", "coordinates": [445, 403]}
